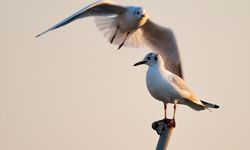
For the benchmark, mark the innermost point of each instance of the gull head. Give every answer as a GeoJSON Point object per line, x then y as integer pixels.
{"type": "Point", "coordinates": [150, 59]}
{"type": "Point", "coordinates": [138, 14]}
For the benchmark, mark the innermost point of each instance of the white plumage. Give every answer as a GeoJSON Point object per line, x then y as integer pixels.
{"type": "Point", "coordinates": [130, 26]}
{"type": "Point", "coordinates": [168, 87]}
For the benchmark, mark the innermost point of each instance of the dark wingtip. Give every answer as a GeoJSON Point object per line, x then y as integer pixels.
{"type": "Point", "coordinates": [40, 34]}
{"type": "Point", "coordinates": [216, 106]}
{"type": "Point", "coordinates": [37, 35]}
{"type": "Point", "coordinates": [44, 32]}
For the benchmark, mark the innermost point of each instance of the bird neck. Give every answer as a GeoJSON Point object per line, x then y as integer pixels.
{"type": "Point", "coordinates": [157, 66]}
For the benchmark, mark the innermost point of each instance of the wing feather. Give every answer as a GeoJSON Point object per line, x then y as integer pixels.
{"type": "Point", "coordinates": [108, 25]}
{"type": "Point", "coordinates": [162, 40]}
{"type": "Point", "coordinates": [158, 38]}
{"type": "Point", "coordinates": [183, 89]}
{"type": "Point", "coordinates": [99, 8]}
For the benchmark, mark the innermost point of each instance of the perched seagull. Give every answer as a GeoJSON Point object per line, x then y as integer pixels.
{"type": "Point", "coordinates": [130, 26]}
{"type": "Point", "coordinates": [167, 87]}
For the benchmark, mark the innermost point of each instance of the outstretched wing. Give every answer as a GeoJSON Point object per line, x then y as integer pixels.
{"type": "Point", "coordinates": [158, 38]}
{"type": "Point", "coordinates": [162, 40]}
{"type": "Point", "coordinates": [99, 8]}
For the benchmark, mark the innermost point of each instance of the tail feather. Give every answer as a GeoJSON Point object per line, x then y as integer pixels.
{"type": "Point", "coordinates": [209, 105]}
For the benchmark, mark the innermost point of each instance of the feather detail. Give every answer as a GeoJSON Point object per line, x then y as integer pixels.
{"type": "Point", "coordinates": [108, 25]}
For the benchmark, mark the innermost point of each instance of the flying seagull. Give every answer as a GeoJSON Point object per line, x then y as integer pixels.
{"type": "Point", "coordinates": [130, 26]}
{"type": "Point", "coordinates": [167, 87]}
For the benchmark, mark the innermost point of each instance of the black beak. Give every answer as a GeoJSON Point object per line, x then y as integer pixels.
{"type": "Point", "coordinates": [140, 63]}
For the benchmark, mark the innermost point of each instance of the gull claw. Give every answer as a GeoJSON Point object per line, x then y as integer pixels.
{"type": "Point", "coordinates": [160, 125]}
{"type": "Point", "coordinates": [170, 123]}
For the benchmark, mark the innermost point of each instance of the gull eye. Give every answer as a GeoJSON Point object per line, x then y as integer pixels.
{"type": "Point", "coordinates": [156, 58]}
{"type": "Point", "coordinates": [138, 13]}
{"type": "Point", "coordinates": [148, 58]}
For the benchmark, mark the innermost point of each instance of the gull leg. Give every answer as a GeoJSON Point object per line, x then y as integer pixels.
{"type": "Point", "coordinates": [174, 111]}
{"type": "Point", "coordinates": [171, 122]}
{"type": "Point", "coordinates": [123, 41]}
{"type": "Point", "coordinates": [112, 39]}
{"type": "Point", "coordinates": [165, 111]}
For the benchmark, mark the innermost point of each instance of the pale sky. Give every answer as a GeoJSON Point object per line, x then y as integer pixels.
{"type": "Point", "coordinates": [71, 90]}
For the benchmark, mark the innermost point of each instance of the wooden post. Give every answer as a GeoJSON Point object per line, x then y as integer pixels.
{"type": "Point", "coordinates": [164, 129]}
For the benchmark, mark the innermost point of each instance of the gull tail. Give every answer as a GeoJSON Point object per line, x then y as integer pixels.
{"type": "Point", "coordinates": [200, 105]}
{"type": "Point", "coordinates": [209, 105]}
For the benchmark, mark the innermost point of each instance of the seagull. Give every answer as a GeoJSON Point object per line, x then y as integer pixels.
{"type": "Point", "coordinates": [130, 26]}
{"type": "Point", "coordinates": [167, 87]}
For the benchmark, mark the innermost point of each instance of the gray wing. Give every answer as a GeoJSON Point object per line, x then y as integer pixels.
{"type": "Point", "coordinates": [99, 8]}
{"type": "Point", "coordinates": [162, 40]}
{"type": "Point", "coordinates": [179, 83]}
{"type": "Point", "coordinates": [183, 89]}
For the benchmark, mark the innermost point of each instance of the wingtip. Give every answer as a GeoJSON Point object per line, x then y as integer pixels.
{"type": "Point", "coordinates": [38, 35]}
{"type": "Point", "coordinates": [43, 33]}
{"type": "Point", "coordinates": [216, 106]}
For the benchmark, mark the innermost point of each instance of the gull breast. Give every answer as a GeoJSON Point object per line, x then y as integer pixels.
{"type": "Point", "coordinates": [159, 86]}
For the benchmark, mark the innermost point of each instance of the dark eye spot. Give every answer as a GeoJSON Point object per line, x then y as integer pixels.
{"type": "Point", "coordinates": [148, 58]}
{"type": "Point", "coordinates": [156, 58]}
{"type": "Point", "coordinates": [138, 13]}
